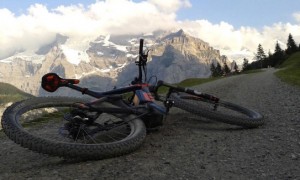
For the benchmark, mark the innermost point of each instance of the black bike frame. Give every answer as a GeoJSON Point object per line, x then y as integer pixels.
{"type": "Point", "coordinates": [106, 93]}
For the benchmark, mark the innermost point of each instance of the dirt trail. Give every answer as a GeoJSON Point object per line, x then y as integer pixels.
{"type": "Point", "coordinates": [189, 148]}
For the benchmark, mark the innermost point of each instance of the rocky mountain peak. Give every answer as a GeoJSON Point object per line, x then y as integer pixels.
{"type": "Point", "coordinates": [179, 33]}
{"type": "Point", "coordinates": [59, 39]}
{"type": "Point", "coordinates": [176, 36]}
{"type": "Point", "coordinates": [186, 42]}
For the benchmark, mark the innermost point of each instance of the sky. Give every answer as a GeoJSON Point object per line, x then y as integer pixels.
{"type": "Point", "coordinates": [236, 27]}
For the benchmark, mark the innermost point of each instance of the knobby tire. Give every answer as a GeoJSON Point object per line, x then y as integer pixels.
{"type": "Point", "coordinates": [226, 112]}
{"type": "Point", "coordinates": [21, 134]}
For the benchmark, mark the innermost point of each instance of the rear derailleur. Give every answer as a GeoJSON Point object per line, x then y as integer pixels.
{"type": "Point", "coordinates": [80, 123]}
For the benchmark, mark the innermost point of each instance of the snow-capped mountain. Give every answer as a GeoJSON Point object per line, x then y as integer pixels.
{"type": "Point", "coordinates": [109, 60]}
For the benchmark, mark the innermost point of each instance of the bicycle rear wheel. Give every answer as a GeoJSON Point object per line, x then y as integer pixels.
{"type": "Point", "coordinates": [225, 112]}
{"type": "Point", "coordinates": [40, 124]}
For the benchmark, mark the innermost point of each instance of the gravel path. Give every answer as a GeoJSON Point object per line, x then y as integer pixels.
{"type": "Point", "coordinates": [189, 148]}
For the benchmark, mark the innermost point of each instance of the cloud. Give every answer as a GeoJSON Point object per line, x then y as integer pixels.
{"type": "Point", "coordinates": [170, 5]}
{"type": "Point", "coordinates": [39, 26]}
{"type": "Point", "coordinates": [241, 42]}
{"type": "Point", "coordinates": [297, 16]}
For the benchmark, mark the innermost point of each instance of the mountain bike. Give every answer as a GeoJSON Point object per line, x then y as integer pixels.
{"type": "Point", "coordinates": [113, 122]}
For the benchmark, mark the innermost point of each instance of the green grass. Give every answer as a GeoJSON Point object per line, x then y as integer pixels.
{"type": "Point", "coordinates": [9, 93]}
{"type": "Point", "coordinates": [290, 71]}
{"type": "Point", "coordinates": [189, 82]}
{"type": "Point", "coordinates": [195, 81]}
{"type": "Point", "coordinates": [40, 118]}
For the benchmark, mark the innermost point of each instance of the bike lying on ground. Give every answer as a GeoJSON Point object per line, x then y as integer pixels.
{"type": "Point", "coordinates": [110, 125]}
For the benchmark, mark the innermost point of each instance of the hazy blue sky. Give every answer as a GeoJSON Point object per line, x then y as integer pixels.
{"type": "Point", "coordinates": [235, 27]}
{"type": "Point", "coordinates": [254, 13]}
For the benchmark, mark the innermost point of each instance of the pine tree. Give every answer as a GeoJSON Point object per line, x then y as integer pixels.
{"type": "Point", "coordinates": [260, 56]}
{"type": "Point", "coordinates": [291, 45]}
{"type": "Point", "coordinates": [235, 67]}
{"type": "Point", "coordinates": [269, 59]}
{"type": "Point", "coordinates": [219, 70]}
{"type": "Point", "coordinates": [213, 70]}
{"type": "Point", "coordinates": [226, 69]}
{"type": "Point", "coordinates": [245, 64]}
{"type": "Point", "coordinates": [278, 56]}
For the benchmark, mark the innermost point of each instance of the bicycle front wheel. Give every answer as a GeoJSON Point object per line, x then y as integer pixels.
{"type": "Point", "coordinates": [39, 124]}
{"type": "Point", "coordinates": [223, 111]}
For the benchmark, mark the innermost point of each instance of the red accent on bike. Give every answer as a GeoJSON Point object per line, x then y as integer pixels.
{"type": "Point", "coordinates": [50, 82]}
{"type": "Point", "coordinates": [146, 97]}
{"type": "Point", "coordinates": [76, 81]}
{"type": "Point", "coordinates": [67, 81]}
{"type": "Point", "coordinates": [150, 96]}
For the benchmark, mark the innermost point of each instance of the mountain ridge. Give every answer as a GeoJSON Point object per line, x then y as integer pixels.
{"type": "Point", "coordinates": [111, 60]}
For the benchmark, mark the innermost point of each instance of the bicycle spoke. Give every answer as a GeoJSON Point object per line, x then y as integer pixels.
{"type": "Point", "coordinates": [88, 136]}
{"type": "Point", "coordinates": [52, 125]}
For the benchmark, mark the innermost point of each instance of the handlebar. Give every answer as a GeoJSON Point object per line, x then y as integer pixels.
{"type": "Point", "coordinates": [141, 63]}
{"type": "Point", "coordinates": [140, 77]}
{"type": "Point", "coordinates": [172, 87]}
{"type": "Point", "coordinates": [141, 49]}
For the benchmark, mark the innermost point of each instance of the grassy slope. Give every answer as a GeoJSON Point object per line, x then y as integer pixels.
{"type": "Point", "coordinates": [9, 93]}
{"type": "Point", "coordinates": [291, 71]}
{"type": "Point", "coordinates": [190, 82]}
{"type": "Point", "coordinates": [195, 81]}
